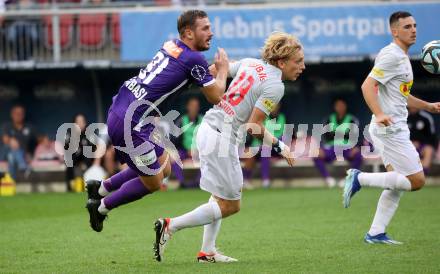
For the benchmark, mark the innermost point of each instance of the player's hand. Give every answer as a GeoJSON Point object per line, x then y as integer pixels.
{"type": "Point", "coordinates": [221, 60]}
{"type": "Point", "coordinates": [384, 119]}
{"type": "Point", "coordinates": [213, 70]}
{"type": "Point", "coordinates": [288, 156]}
{"type": "Point", "coordinates": [434, 107]}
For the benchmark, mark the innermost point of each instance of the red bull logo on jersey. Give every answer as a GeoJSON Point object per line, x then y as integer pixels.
{"type": "Point", "coordinates": [405, 88]}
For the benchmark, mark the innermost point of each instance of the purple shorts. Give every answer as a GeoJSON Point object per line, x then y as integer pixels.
{"type": "Point", "coordinates": [330, 154]}
{"type": "Point", "coordinates": [145, 162]}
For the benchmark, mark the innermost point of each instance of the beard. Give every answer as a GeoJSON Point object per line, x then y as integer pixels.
{"type": "Point", "coordinates": [202, 45]}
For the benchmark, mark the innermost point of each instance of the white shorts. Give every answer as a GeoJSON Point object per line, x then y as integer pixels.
{"type": "Point", "coordinates": [219, 164]}
{"type": "Point", "coordinates": [395, 148]}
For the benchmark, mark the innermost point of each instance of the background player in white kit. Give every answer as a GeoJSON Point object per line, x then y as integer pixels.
{"type": "Point", "coordinates": [392, 73]}
{"type": "Point", "coordinates": [255, 90]}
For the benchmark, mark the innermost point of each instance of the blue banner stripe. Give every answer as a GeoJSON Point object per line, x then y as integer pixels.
{"type": "Point", "coordinates": [330, 31]}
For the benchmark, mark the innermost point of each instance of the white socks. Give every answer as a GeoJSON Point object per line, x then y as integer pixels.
{"type": "Point", "coordinates": [386, 180]}
{"type": "Point", "coordinates": [386, 208]}
{"type": "Point", "coordinates": [204, 214]}
{"type": "Point", "coordinates": [102, 190]}
{"type": "Point", "coordinates": [210, 232]}
{"type": "Point", "coordinates": [102, 209]}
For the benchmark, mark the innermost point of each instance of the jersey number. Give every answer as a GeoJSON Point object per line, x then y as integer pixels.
{"type": "Point", "coordinates": [238, 89]}
{"type": "Point", "coordinates": [155, 67]}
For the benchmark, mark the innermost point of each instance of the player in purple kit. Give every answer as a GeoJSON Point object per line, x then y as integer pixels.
{"type": "Point", "coordinates": [176, 65]}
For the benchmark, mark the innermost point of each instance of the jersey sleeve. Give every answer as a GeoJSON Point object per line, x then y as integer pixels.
{"type": "Point", "coordinates": [233, 68]}
{"type": "Point", "coordinates": [200, 72]}
{"type": "Point", "coordinates": [270, 97]}
{"type": "Point", "coordinates": [385, 68]}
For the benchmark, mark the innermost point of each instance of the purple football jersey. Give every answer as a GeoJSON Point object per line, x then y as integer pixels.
{"type": "Point", "coordinates": [172, 69]}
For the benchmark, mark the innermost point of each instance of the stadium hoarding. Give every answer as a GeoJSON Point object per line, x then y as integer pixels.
{"type": "Point", "coordinates": [328, 31]}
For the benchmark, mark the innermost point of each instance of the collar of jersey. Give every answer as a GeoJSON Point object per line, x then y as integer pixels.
{"type": "Point", "coordinates": [277, 70]}
{"type": "Point", "coordinates": [397, 46]}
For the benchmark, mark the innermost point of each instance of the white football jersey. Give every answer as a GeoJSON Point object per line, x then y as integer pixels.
{"type": "Point", "coordinates": [392, 69]}
{"type": "Point", "coordinates": [255, 84]}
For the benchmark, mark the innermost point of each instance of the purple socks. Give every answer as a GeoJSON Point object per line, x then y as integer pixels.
{"type": "Point", "coordinates": [117, 180]}
{"type": "Point", "coordinates": [320, 165]}
{"type": "Point", "coordinates": [247, 173]}
{"type": "Point", "coordinates": [130, 191]}
{"type": "Point", "coordinates": [178, 172]}
{"type": "Point", "coordinates": [356, 161]}
{"type": "Point", "coordinates": [265, 167]}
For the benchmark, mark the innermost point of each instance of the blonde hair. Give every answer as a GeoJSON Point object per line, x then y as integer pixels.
{"type": "Point", "coordinates": [279, 46]}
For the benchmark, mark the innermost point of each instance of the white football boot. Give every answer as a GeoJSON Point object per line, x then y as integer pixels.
{"type": "Point", "coordinates": [215, 257]}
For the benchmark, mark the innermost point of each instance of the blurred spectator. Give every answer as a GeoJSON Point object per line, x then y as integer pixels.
{"type": "Point", "coordinates": [340, 122]}
{"type": "Point", "coordinates": [422, 130]}
{"type": "Point", "coordinates": [45, 154]}
{"type": "Point", "coordinates": [275, 123]}
{"type": "Point", "coordinates": [80, 162]}
{"type": "Point", "coordinates": [19, 139]}
{"type": "Point", "coordinates": [187, 139]}
{"type": "Point", "coordinates": [100, 165]}
{"type": "Point", "coordinates": [3, 149]}
{"type": "Point", "coordinates": [22, 33]}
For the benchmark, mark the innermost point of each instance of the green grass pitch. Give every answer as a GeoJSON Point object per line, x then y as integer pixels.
{"type": "Point", "coordinates": [277, 231]}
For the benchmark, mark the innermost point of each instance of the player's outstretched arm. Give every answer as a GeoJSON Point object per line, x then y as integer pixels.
{"type": "Point", "coordinates": [369, 92]}
{"type": "Point", "coordinates": [232, 71]}
{"type": "Point", "coordinates": [258, 130]}
{"type": "Point", "coordinates": [420, 104]}
{"type": "Point", "coordinates": [214, 92]}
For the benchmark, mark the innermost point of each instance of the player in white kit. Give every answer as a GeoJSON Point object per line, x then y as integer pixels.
{"type": "Point", "coordinates": [392, 74]}
{"type": "Point", "coordinates": [255, 90]}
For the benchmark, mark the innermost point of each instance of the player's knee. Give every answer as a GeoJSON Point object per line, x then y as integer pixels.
{"type": "Point", "coordinates": [154, 187]}
{"type": "Point", "coordinates": [417, 183]}
{"type": "Point", "coordinates": [228, 208]}
{"type": "Point", "coordinates": [152, 183]}
{"type": "Point", "coordinates": [235, 208]}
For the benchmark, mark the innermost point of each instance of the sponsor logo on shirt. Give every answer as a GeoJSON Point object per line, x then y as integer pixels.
{"type": "Point", "coordinates": [268, 104]}
{"type": "Point", "coordinates": [378, 72]}
{"type": "Point", "coordinates": [405, 88]}
{"type": "Point", "coordinates": [172, 49]}
{"type": "Point", "coordinates": [146, 159]}
{"type": "Point", "coordinates": [198, 72]}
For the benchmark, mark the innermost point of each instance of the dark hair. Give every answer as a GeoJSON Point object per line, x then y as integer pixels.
{"type": "Point", "coordinates": [339, 99]}
{"type": "Point", "coordinates": [188, 19]}
{"type": "Point", "coordinates": [397, 15]}
{"type": "Point", "coordinates": [18, 105]}
{"type": "Point", "coordinates": [193, 97]}
{"type": "Point", "coordinates": [78, 115]}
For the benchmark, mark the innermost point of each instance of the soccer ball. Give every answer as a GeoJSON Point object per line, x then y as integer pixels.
{"type": "Point", "coordinates": [430, 57]}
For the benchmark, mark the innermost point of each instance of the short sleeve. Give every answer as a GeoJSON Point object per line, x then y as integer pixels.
{"type": "Point", "coordinates": [270, 97]}
{"type": "Point", "coordinates": [385, 68]}
{"type": "Point", "coordinates": [199, 71]}
{"type": "Point", "coordinates": [233, 68]}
